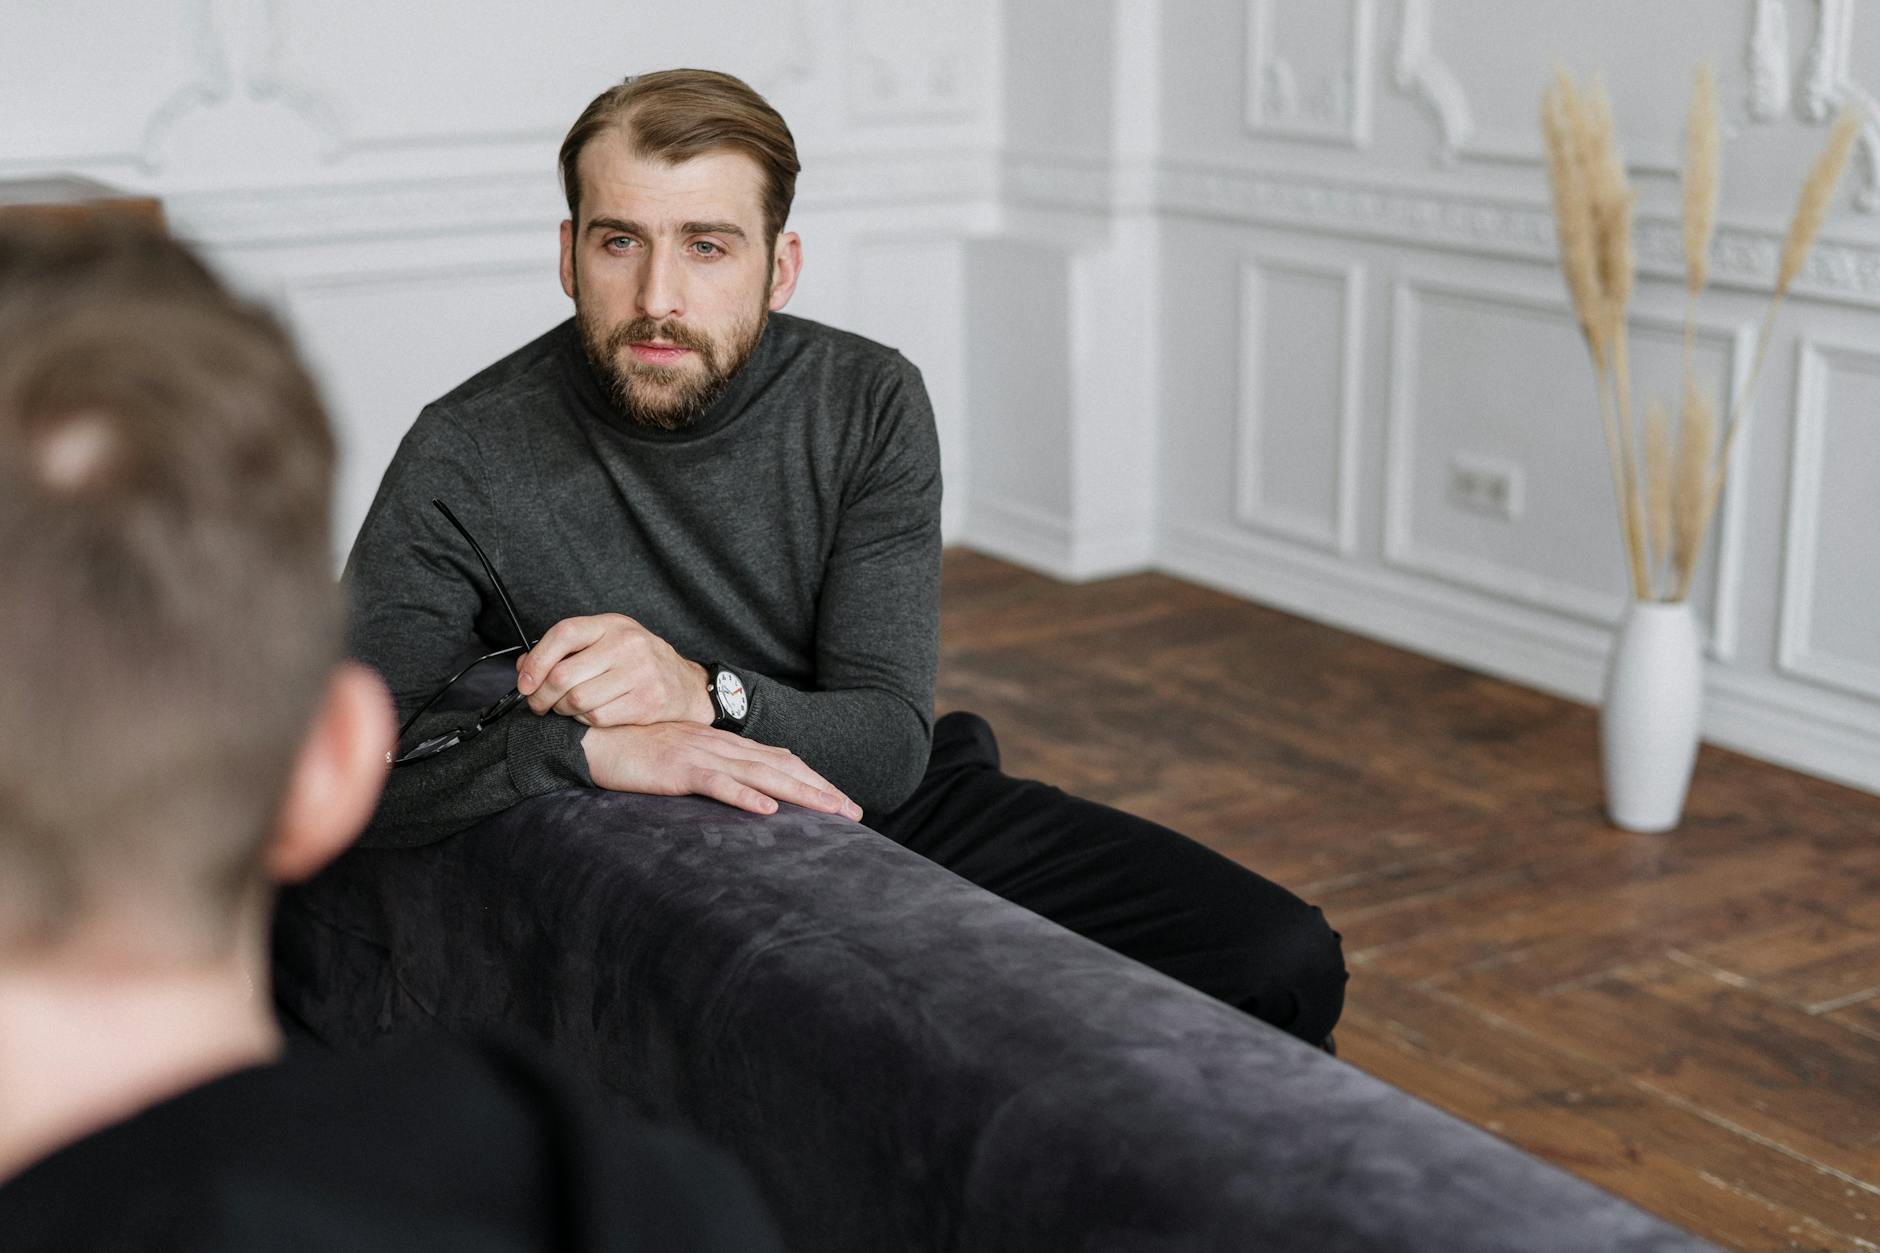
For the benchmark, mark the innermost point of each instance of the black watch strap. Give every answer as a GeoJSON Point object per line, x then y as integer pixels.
{"type": "Point", "coordinates": [726, 718]}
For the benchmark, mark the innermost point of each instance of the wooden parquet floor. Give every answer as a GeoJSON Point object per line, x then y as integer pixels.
{"type": "Point", "coordinates": [1689, 1020]}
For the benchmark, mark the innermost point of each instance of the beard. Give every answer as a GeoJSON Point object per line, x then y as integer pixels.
{"type": "Point", "coordinates": [666, 397]}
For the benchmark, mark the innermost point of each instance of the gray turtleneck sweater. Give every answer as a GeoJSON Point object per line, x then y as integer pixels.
{"type": "Point", "coordinates": [792, 533]}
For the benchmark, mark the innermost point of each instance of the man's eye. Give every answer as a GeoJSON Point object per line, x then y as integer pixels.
{"type": "Point", "coordinates": [619, 243]}
{"type": "Point", "coordinates": [706, 248]}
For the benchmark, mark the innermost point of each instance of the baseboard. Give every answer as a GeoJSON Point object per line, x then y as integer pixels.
{"type": "Point", "coordinates": [1766, 717]}
{"type": "Point", "coordinates": [1783, 721]}
{"type": "Point", "coordinates": [1042, 541]}
{"type": "Point", "coordinates": [1522, 646]}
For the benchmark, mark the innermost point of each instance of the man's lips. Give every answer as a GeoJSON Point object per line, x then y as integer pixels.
{"type": "Point", "coordinates": [658, 354]}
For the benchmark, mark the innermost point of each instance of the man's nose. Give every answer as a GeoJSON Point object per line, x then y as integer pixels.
{"type": "Point", "coordinates": [661, 287]}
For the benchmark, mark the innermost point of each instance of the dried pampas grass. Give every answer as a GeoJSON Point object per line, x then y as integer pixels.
{"type": "Point", "coordinates": [1697, 438]}
{"type": "Point", "coordinates": [1666, 516]}
{"type": "Point", "coordinates": [1593, 216]}
{"type": "Point", "coordinates": [1703, 148]}
{"type": "Point", "coordinates": [1563, 126]}
{"type": "Point", "coordinates": [1658, 481]}
{"type": "Point", "coordinates": [1817, 194]}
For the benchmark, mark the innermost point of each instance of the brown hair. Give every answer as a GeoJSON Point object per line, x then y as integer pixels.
{"type": "Point", "coordinates": [169, 613]}
{"type": "Point", "coordinates": [675, 115]}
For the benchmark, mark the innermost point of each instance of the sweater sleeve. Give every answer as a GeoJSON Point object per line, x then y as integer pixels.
{"type": "Point", "coordinates": [868, 724]}
{"type": "Point", "coordinates": [417, 593]}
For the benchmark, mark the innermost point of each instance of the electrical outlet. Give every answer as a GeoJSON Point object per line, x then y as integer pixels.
{"type": "Point", "coordinates": [1485, 486]}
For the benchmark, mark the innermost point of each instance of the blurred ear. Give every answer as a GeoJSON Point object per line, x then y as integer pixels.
{"type": "Point", "coordinates": [337, 777]}
{"type": "Point", "coordinates": [786, 267]}
{"type": "Point", "coordinates": [567, 258]}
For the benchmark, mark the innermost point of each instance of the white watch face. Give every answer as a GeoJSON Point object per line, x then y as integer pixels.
{"type": "Point", "coordinates": [731, 695]}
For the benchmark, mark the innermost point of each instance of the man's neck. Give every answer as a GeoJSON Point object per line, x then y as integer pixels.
{"type": "Point", "coordinates": [83, 1046]}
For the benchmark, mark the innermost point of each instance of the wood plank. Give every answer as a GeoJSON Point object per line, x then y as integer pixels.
{"type": "Point", "coordinates": [1777, 1072]}
{"type": "Point", "coordinates": [1547, 1075]}
{"type": "Point", "coordinates": [1588, 1144]}
{"type": "Point", "coordinates": [1637, 1008]}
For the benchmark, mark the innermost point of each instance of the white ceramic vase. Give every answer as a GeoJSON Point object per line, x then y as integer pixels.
{"type": "Point", "coordinates": [1654, 705]}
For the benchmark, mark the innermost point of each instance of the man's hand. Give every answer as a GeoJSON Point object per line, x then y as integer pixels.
{"type": "Point", "coordinates": [607, 670]}
{"type": "Point", "coordinates": [683, 759]}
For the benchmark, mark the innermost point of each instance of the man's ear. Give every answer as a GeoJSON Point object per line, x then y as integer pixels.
{"type": "Point", "coordinates": [786, 265]}
{"type": "Point", "coordinates": [337, 777]}
{"type": "Point", "coordinates": [567, 258]}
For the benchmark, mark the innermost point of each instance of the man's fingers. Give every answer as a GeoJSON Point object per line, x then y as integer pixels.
{"type": "Point", "coordinates": [793, 766]}
{"type": "Point", "coordinates": [829, 797]}
{"type": "Point", "coordinates": [566, 675]}
{"type": "Point", "coordinates": [570, 635]}
{"type": "Point", "coordinates": [587, 698]}
{"type": "Point", "coordinates": [774, 782]}
{"type": "Point", "coordinates": [721, 786]}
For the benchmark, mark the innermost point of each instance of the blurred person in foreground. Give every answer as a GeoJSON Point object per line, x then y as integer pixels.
{"type": "Point", "coordinates": [178, 735]}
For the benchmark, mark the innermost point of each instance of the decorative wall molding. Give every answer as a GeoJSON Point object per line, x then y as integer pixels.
{"type": "Point", "coordinates": [428, 207]}
{"type": "Point", "coordinates": [273, 79]}
{"type": "Point", "coordinates": [1404, 551]}
{"type": "Point", "coordinates": [1830, 86]}
{"type": "Point", "coordinates": [931, 81]}
{"type": "Point", "coordinates": [1340, 535]}
{"type": "Point", "coordinates": [1767, 60]}
{"type": "Point", "coordinates": [1743, 257]}
{"type": "Point", "coordinates": [1420, 73]}
{"type": "Point", "coordinates": [1056, 181]}
{"type": "Point", "coordinates": [226, 217]}
{"type": "Point", "coordinates": [207, 87]}
{"type": "Point", "coordinates": [1330, 107]}
{"type": "Point", "coordinates": [1797, 653]}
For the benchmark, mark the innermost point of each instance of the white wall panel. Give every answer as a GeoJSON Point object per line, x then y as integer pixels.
{"type": "Point", "coordinates": [1309, 70]}
{"type": "Point", "coordinates": [1497, 56]}
{"type": "Point", "coordinates": [1831, 604]}
{"type": "Point", "coordinates": [1498, 376]}
{"type": "Point", "coordinates": [1301, 351]}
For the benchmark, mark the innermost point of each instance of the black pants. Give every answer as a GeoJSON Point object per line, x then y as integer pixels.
{"type": "Point", "coordinates": [1130, 885]}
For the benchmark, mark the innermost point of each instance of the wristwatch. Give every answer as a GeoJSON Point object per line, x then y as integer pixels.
{"type": "Point", "coordinates": [730, 702]}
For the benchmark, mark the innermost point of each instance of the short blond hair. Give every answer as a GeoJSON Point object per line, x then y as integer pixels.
{"type": "Point", "coordinates": [675, 115]}
{"type": "Point", "coordinates": [169, 613]}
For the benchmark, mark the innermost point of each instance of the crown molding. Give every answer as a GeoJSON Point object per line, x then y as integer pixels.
{"type": "Point", "coordinates": [1744, 256]}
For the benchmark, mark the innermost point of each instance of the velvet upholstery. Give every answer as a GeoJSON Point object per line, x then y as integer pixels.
{"type": "Point", "coordinates": [903, 1060]}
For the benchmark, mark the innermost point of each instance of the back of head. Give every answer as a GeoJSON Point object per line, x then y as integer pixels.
{"type": "Point", "coordinates": [168, 613]}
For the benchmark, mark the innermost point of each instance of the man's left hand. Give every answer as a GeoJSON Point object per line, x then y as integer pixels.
{"type": "Point", "coordinates": [606, 670]}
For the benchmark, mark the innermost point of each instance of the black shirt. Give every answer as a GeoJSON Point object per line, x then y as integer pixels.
{"type": "Point", "coordinates": [435, 1147]}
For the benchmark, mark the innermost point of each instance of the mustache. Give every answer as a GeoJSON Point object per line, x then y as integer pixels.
{"type": "Point", "coordinates": [643, 328]}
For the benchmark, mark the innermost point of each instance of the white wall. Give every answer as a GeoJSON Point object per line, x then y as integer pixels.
{"type": "Point", "coordinates": [386, 172]}
{"type": "Point", "coordinates": [1222, 286]}
{"type": "Point", "coordinates": [1357, 277]}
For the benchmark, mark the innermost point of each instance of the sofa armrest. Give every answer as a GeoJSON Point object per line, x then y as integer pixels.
{"type": "Point", "coordinates": [904, 1060]}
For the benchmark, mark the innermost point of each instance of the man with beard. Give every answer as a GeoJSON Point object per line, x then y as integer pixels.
{"type": "Point", "coordinates": [727, 521]}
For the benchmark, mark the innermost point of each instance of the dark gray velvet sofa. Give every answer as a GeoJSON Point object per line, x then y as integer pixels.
{"type": "Point", "coordinates": [903, 1060]}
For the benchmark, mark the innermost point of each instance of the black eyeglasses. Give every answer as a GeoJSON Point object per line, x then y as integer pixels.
{"type": "Point", "coordinates": [489, 714]}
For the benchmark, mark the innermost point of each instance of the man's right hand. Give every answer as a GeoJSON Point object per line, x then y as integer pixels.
{"type": "Point", "coordinates": [685, 759]}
